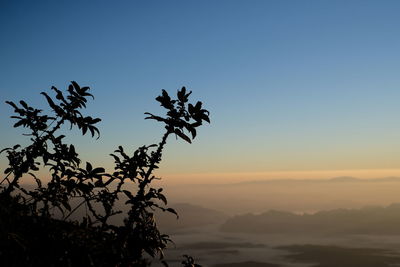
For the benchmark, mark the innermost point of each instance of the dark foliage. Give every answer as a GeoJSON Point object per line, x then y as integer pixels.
{"type": "Point", "coordinates": [189, 262]}
{"type": "Point", "coordinates": [30, 232]}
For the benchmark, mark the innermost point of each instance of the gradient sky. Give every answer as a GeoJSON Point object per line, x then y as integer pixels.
{"type": "Point", "coordinates": [292, 86]}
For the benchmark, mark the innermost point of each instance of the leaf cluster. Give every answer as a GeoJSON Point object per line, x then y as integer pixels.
{"type": "Point", "coordinates": [181, 116]}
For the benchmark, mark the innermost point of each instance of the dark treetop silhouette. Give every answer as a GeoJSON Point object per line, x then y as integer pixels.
{"type": "Point", "coordinates": [31, 234]}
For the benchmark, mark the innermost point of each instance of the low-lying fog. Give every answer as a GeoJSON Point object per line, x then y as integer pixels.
{"type": "Point", "coordinates": [211, 247]}
{"type": "Point", "coordinates": [342, 222]}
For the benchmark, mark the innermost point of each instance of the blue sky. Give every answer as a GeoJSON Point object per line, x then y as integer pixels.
{"type": "Point", "coordinates": [291, 85]}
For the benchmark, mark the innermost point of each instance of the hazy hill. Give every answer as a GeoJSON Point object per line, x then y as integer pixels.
{"type": "Point", "coordinates": [189, 216]}
{"type": "Point", "coordinates": [340, 179]}
{"type": "Point", "coordinates": [369, 220]}
{"type": "Point", "coordinates": [294, 195]}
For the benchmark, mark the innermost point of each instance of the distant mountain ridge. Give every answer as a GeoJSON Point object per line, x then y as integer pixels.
{"type": "Point", "coordinates": [368, 220]}
{"type": "Point", "coordinates": [339, 179]}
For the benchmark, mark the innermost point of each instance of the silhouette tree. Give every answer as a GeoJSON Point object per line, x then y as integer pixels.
{"type": "Point", "coordinates": [31, 234]}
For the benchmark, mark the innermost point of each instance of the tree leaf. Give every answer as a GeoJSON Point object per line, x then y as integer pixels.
{"type": "Point", "coordinates": [128, 194]}
{"type": "Point", "coordinates": [88, 167]}
{"type": "Point", "coordinates": [182, 135]}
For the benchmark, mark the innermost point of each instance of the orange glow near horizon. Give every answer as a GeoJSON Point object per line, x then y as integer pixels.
{"type": "Point", "coordinates": [237, 177]}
